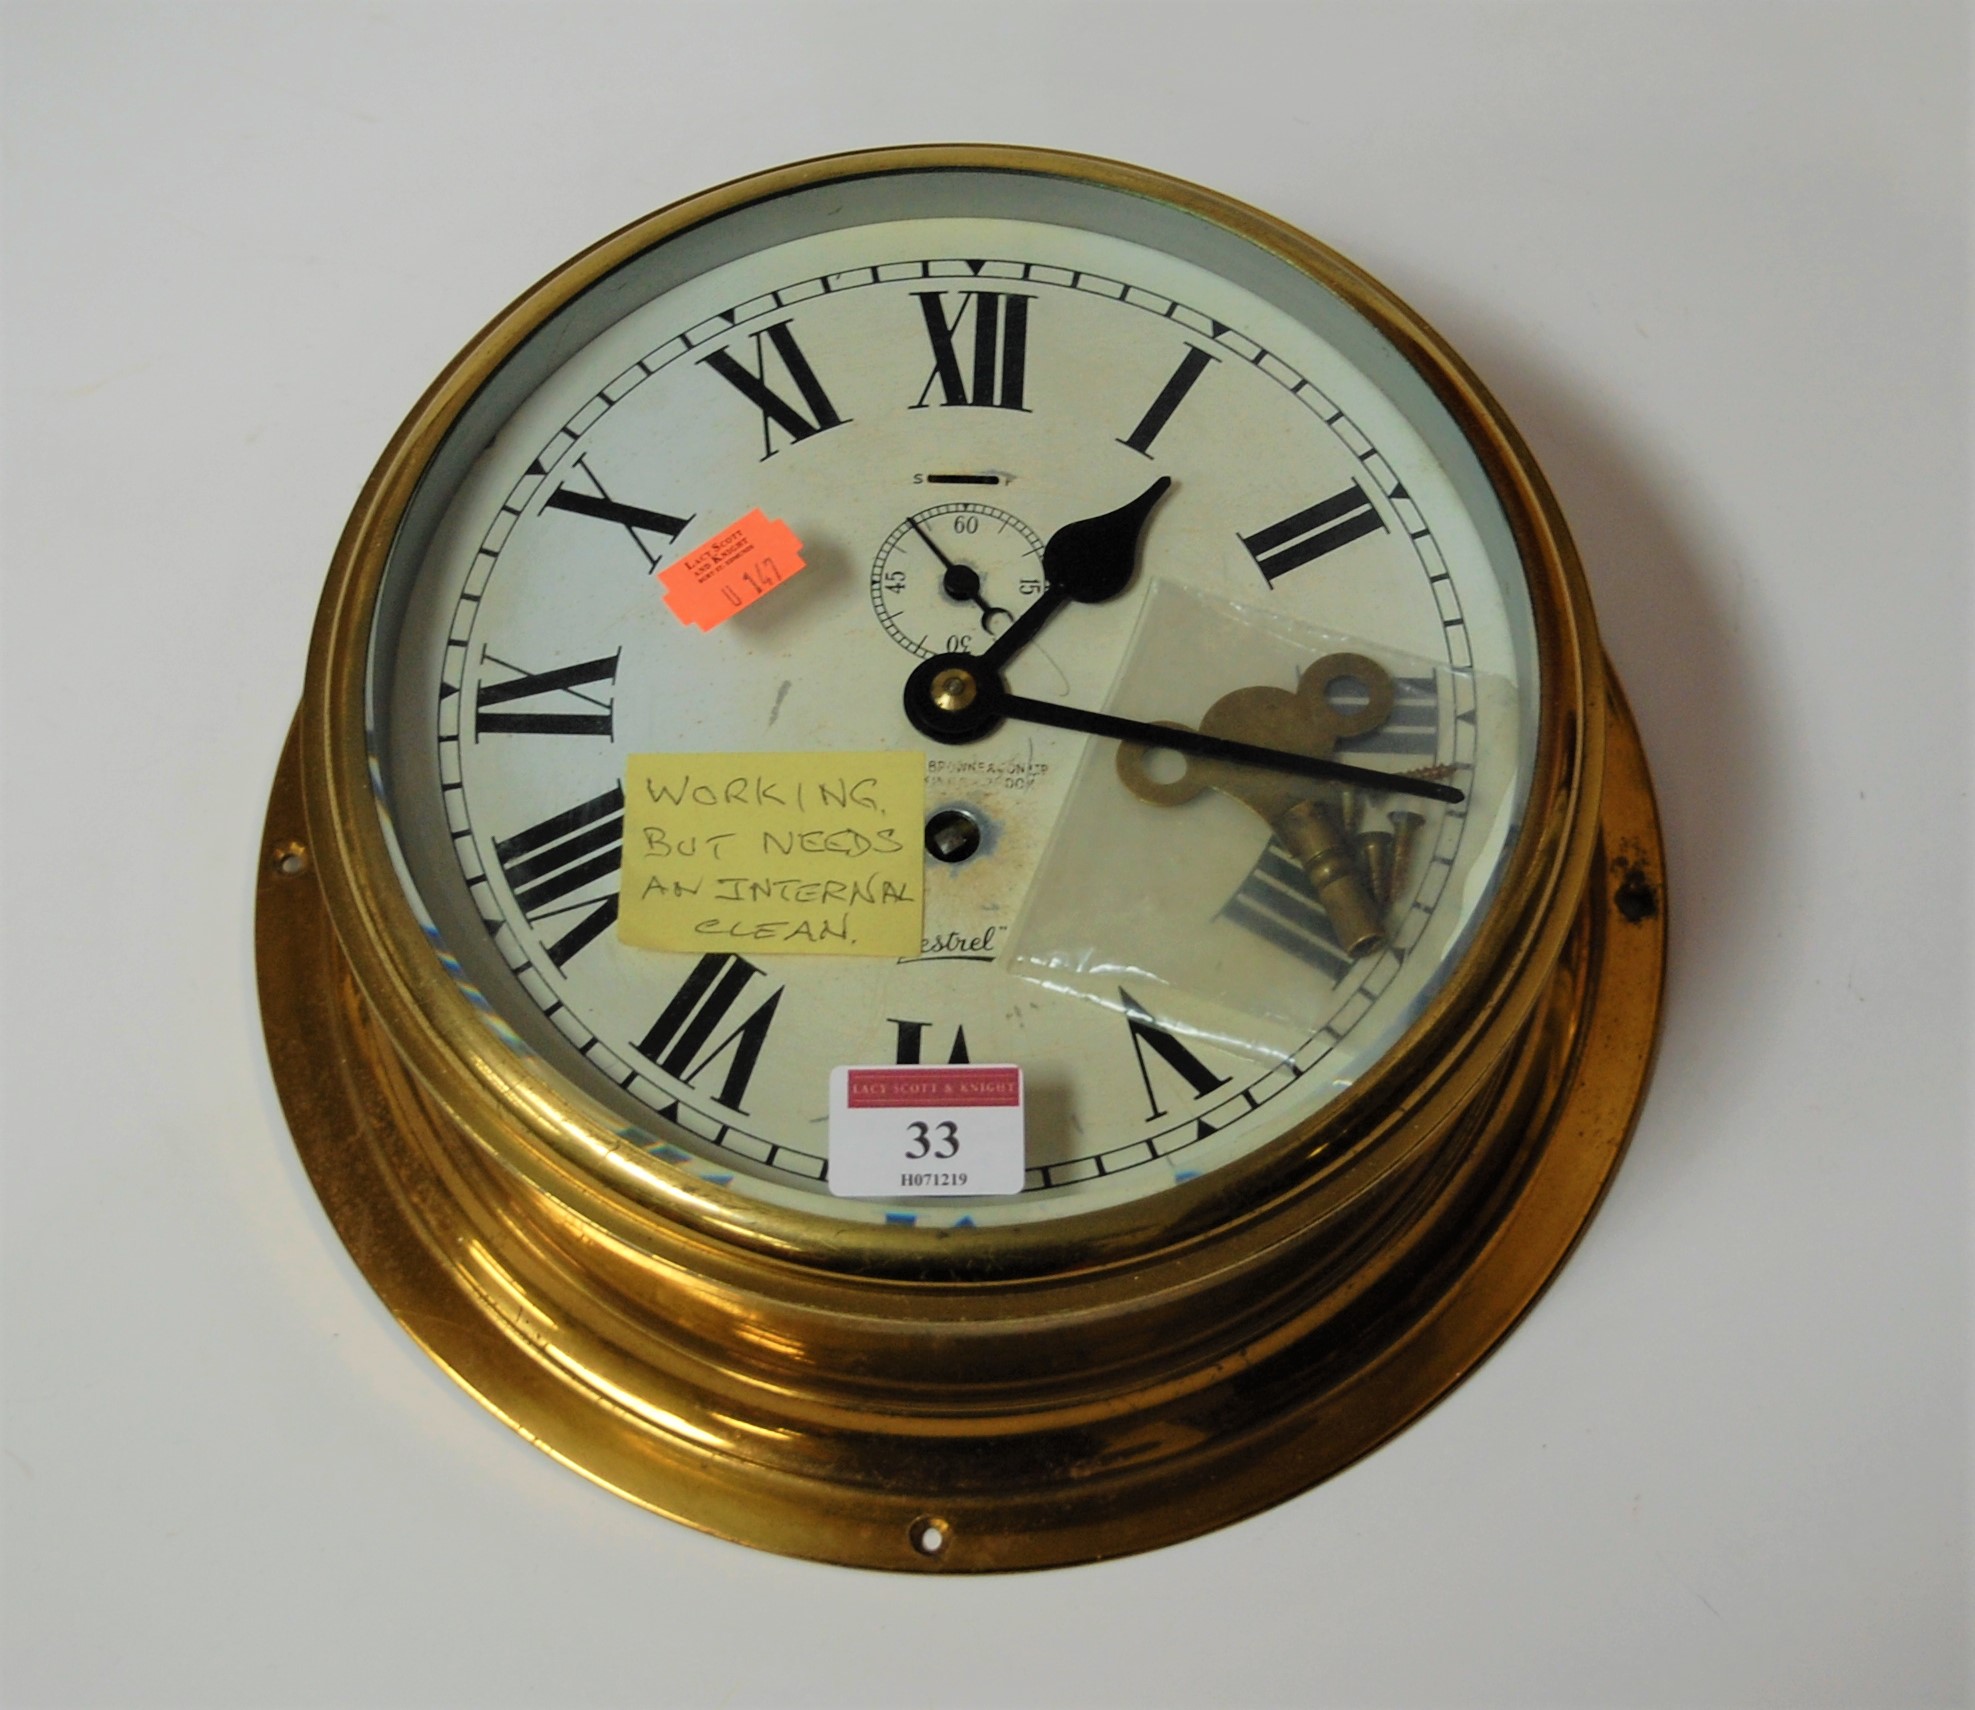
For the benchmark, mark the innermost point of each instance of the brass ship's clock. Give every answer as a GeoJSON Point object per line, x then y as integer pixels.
{"type": "Point", "coordinates": [1282, 822]}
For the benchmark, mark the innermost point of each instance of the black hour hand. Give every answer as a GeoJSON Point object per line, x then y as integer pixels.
{"type": "Point", "coordinates": [1095, 559]}
{"type": "Point", "coordinates": [1089, 560]}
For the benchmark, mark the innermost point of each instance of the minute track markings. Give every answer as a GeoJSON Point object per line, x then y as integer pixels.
{"type": "Point", "coordinates": [1155, 304]}
{"type": "Point", "coordinates": [596, 410]}
{"type": "Point", "coordinates": [1161, 1144]}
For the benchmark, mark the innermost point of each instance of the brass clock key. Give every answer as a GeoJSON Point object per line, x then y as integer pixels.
{"type": "Point", "coordinates": [1306, 722]}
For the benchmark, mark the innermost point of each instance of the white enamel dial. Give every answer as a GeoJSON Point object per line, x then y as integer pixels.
{"type": "Point", "coordinates": [926, 374]}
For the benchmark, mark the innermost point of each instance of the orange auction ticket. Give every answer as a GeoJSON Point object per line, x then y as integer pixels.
{"type": "Point", "coordinates": [731, 571]}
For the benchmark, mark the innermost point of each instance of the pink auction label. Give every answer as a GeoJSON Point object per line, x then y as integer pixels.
{"type": "Point", "coordinates": [956, 1087]}
{"type": "Point", "coordinates": [731, 571]}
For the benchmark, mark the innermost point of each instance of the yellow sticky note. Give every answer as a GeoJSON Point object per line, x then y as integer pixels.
{"type": "Point", "coordinates": [774, 854]}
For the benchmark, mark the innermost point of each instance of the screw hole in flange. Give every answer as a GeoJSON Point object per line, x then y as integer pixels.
{"type": "Point", "coordinates": [289, 859]}
{"type": "Point", "coordinates": [1635, 896]}
{"type": "Point", "coordinates": [930, 1537]}
{"type": "Point", "coordinates": [953, 835]}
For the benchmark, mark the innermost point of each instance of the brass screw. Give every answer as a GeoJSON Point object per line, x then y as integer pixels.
{"type": "Point", "coordinates": [954, 691]}
{"type": "Point", "coordinates": [1405, 845]}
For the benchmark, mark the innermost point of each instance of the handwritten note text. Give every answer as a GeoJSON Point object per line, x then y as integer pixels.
{"type": "Point", "coordinates": [792, 854]}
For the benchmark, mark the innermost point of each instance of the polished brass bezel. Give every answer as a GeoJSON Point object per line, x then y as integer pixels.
{"type": "Point", "coordinates": [800, 1382]}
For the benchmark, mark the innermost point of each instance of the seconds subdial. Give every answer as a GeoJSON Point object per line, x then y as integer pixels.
{"type": "Point", "coordinates": [950, 578]}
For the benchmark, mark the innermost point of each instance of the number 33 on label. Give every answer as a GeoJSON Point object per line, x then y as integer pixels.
{"type": "Point", "coordinates": [886, 1122]}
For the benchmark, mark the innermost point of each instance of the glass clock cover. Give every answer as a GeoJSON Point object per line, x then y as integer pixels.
{"type": "Point", "coordinates": [925, 396]}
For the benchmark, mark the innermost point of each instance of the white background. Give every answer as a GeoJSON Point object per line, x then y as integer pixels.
{"type": "Point", "coordinates": [1713, 258]}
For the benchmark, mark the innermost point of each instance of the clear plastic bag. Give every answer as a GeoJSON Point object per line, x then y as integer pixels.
{"type": "Point", "coordinates": [1242, 906]}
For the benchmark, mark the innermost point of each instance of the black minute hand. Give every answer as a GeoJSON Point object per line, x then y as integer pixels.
{"type": "Point", "coordinates": [1183, 741]}
{"type": "Point", "coordinates": [954, 699]}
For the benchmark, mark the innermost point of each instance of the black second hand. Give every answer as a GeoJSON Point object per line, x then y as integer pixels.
{"type": "Point", "coordinates": [955, 573]}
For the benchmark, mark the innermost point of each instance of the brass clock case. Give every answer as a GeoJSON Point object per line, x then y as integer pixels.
{"type": "Point", "coordinates": [888, 1397]}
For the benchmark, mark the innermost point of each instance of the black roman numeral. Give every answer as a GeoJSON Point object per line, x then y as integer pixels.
{"type": "Point", "coordinates": [1276, 902]}
{"type": "Point", "coordinates": [1146, 1032]}
{"type": "Point", "coordinates": [998, 365]}
{"type": "Point", "coordinates": [1192, 365]}
{"type": "Point", "coordinates": [1310, 534]}
{"type": "Point", "coordinates": [635, 520]}
{"type": "Point", "coordinates": [562, 854]}
{"type": "Point", "coordinates": [679, 1039]}
{"type": "Point", "coordinates": [566, 680]}
{"type": "Point", "coordinates": [1411, 729]}
{"type": "Point", "coordinates": [912, 1042]}
{"type": "Point", "coordinates": [776, 410]}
